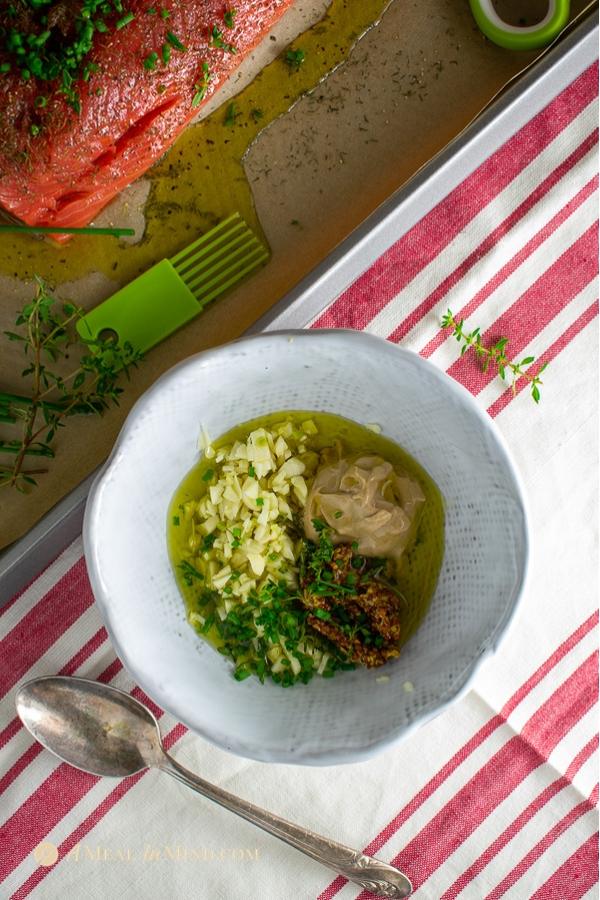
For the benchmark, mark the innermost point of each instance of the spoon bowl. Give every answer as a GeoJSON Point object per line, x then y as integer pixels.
{"type": "Point", "coordinates": [93, 727]}
{"type": "Point", "coordinates": [102, 730]}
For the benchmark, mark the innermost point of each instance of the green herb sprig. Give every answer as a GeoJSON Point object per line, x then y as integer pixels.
{"type": "Point", "coordinates": [47, 330]}
{"type": "Point", "coordinates": [495, 355]}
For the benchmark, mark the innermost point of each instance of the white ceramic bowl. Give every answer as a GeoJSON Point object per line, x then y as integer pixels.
{"type": "Point", "coordinates": [351, 716]}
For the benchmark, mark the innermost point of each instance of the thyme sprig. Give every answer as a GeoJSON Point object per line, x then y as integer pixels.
{"type": "Point", "coordinates": [47, 330]}
{"type": "Point", "coordinates": [495, 355]}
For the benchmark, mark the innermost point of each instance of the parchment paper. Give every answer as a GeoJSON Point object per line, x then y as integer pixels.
{"type": "Point", "coordinates": [409, 86]}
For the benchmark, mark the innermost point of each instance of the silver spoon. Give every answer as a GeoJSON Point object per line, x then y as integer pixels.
{"type": "Point", "coordinates": [102, 730]}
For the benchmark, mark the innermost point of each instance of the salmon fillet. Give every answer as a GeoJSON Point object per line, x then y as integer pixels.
{"type": "Point", "coordinates": [59, 166]}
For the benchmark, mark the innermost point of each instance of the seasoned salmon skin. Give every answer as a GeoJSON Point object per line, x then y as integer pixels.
{"type": "Point", "coordinates": [62, 161]}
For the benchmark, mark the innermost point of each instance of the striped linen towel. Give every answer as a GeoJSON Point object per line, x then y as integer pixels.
{"type": "Point", "coordinates": [497, 796]}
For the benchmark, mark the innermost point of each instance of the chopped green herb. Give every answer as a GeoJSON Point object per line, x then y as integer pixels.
{"type": "Point", "coordinates": [294, 59]}
{"type": "Point", "coordinates": [151, 60]}
{"type": "Point", "coordinates": [164, 14]}
{"type": "Point", "coordinates": [176, 520]}
{"type": "Point", "coordinates": [229, 17]}
{"type": "Point", "coordinates": [251, 471]}
{"type": "Point", "coordinates": [209, 541]}
{"type": "Point", "coordinates": [208, 475]}
{"type": "Point", "coordinates": [241, 673]}
{"type": "Point", "coordinates": [88, 69]}
{"type": "Point", "coordinates": [231, 114]}
{"type": "Point", "coordinates": [322, 614]}
{"type": "Point", "coordinates": [189, 573]}
{"type": "Point", "coordinates": [175, 42]}
{"type": "Point", "coordinates": [216, 40]}
{"type": "Point", "coordinates": [208, 624]}
{"type": "Point", "coordinates": [124, 20]}
{"type": "Point", "coordinates": [257, 114]}
{"type": "Point", "coordinates": [165, 53]}
{"type": "Point", "coordinates": [260, 501]}
{"type": "Point", "coordinates": [34, 130]}
{"type": "Point", "coordinates": [338, 514]}
{"type": "Point", "coordinates": [59, 59]}
{"type": "Point", "coordinates": [201, 86]}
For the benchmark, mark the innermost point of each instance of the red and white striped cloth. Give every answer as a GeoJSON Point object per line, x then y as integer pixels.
{"type": "Point", "coordinates": [497, 796]}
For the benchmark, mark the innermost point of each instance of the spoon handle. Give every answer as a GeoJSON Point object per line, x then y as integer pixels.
{"type": "Point", "coordinates": [371, 874]}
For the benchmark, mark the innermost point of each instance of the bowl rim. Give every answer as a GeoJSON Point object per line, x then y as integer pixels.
{"type": "Point", "coordinates": [461, 684]}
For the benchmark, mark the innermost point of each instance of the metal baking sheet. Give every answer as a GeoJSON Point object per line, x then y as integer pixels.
{"type": "Point", "coordinates": [508, 112]}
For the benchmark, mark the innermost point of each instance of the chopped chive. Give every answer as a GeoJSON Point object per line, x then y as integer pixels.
{"type": "Point", "coordinates": [164, 13]}
{"type": "Point", "coordinates": [189, 573]}
{"type": "Point", "coordinates": [124, 20]}
{"type": "Point", "coordinates": [209, 541]}
{"type": "Point", "coordinates": [87, 71]}
{"type": "Point", "coordinates": [5, 67]}
{"type": "Point", "coordinates": [151, 11]}
{"type": "Point", "coordinates": [241, 672]}
{"type": "Point", "coordinates": [176, 520]}
{"type": "Point", "coordinates": [229, 17]}
{"type": "Point", "coordinates": [34, 130]}
{"type": "Point", "coordinates": [174, 41]}
{"type": "Point", "coordinates": [166, 53]}
{"type": "Point", "coordinates": [208, 475]}
{"type": "Point", "coordinates": [260, 501]}
{"type": "Point", "coordinates": [38, 229]}
{"type": "Point", "coordinates": [251, 471]}
{"type": "Point", "coordinates": [150, 61]}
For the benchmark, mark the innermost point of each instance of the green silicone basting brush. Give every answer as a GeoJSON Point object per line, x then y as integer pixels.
{"type": "Point", "coordinates": [176, 290]}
